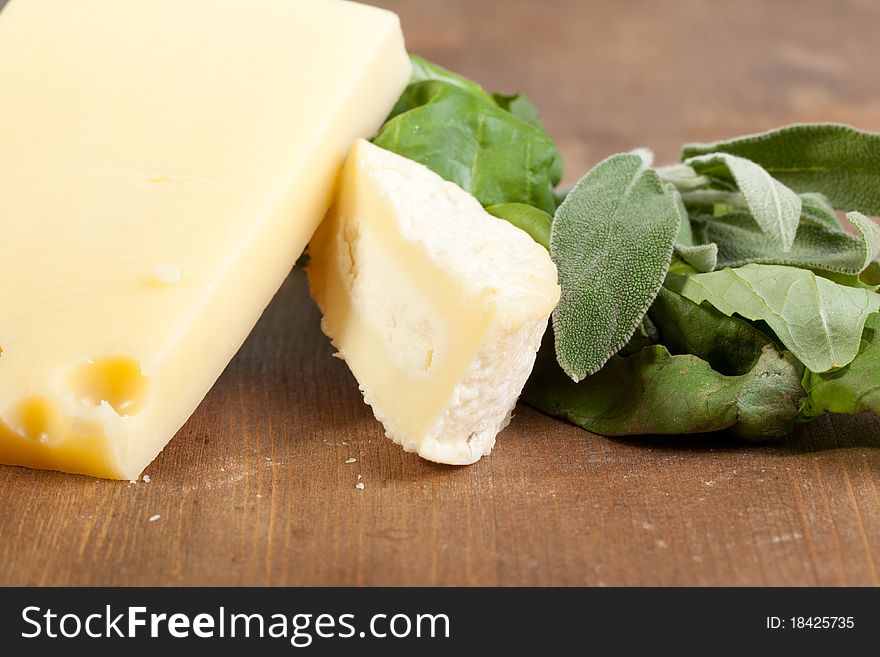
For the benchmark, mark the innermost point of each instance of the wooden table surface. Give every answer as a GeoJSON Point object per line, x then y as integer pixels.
{"type": "Point", "coordinates": [255, 489]}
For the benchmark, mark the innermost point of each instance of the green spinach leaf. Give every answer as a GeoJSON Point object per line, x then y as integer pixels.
{"type": "Point", "coordinates": [423, 70]}
{"type": "Point", "coordinates": [654, 392]}
{"type": "Point", "coordinates": [646, 334]}
{"type": "Point", "coordinates": [494, 155]}
{"type": "Point", "coordinates": [525, 217]}
{"type": "Point", "coordinates": [729, 344]}
{"type": "Point", "coordinates": [520, 106]}
{"type": "Point", "coordinates": [517, 104]}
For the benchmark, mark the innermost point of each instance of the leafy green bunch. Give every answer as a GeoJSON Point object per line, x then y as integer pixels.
{"type": "Point", "coordinates": [723, 291]}
{"type": "Point", "coordinates": [492, 145]}
{"type": "Point", "coordinates": [720, 292]}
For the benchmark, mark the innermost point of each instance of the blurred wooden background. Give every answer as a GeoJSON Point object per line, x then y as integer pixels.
{"type": "Point", "coordinates": [615, 75]}
{"type": "Point", "coordinates": [256, 490]}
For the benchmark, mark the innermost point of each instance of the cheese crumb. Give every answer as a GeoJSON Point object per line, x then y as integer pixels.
{"type": "Point", "coordinates": [167, 274]}
{"type": "Point", "coordinates": [154, 518]}
{"type": "Point", "coordinates": [359, 486]}
{"type": "Point", "coordinates": [350, 461]}
{"type": "Point", "coordinates": [146, 479]}
{"type": "Point", "coordinates": [359, 477]}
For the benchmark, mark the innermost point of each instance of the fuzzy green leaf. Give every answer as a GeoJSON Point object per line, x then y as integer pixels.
{"type": "Point", "coordinates": [611, 240]}
{"type": "Point", "coordinates": [653, 392]}
{"type": "Point", "coordinates": [839, 161]}
{"type": "Point", "coordinates": [816, 245]}
{"type": "Point", "coordinates": [525, 217]}
{"type": "Point", "coordinates": [472, 142]}
{"type": "Point", "coordinates": [870, 234]}
{"type": "Point", "coordinates": [682, 176]}
{"type": "Point", "coordinates": [819, 321]}
{"type": "Point", "coordinates": [817, 209]}
{"type": "Point", "coordinates": [774, 206]}
{"type": "Point", "coordinates": [702, 257]}
{"type": "Point", "coordinates": [852, 389]}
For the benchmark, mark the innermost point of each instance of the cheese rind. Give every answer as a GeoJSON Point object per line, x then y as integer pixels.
{"type": "Point", "coordinates": [437, 307]}
{"type": "Point", "coordinates": [162, 166]}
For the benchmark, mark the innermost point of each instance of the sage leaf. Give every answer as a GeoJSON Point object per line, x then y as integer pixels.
{"type": "Point", "coordinates": [682, 176]}
{"type": "Point", "coordinates": [654, 392]}
{"type": "Point", "coordinates": [870, 234]}
{"type": "Point", "coordinates": [816, 245]}
{"type": "Point", "coordinates": [702, 257]}
{"type": "Point", "coordinates": [774, 206]}
{"type": "Point", "coordinates": [611, 240]}
{"type": "Point", "coordinates": [469, 140]}
{"type": "Point", "coordinates": [817, 209]}
{"type": "Point", "coordinates": [852, 389]}
{"type": "Point", "coordinates": [819, 321]}
{"type": "Point", "coordinates": [525, 217]}
{"type": "Point", "coordinates": [714, 200]}
{"type": "Point", "coordinates": [839, 161]}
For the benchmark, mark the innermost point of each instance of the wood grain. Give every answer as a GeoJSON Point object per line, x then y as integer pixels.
{"type": "Point", "coordinates": [255, 489]}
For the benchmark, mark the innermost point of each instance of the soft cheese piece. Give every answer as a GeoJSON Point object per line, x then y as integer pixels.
{"type": "Point", "coordinates": [437, 307]}
{"type": "Point", "coordinates": [162, 165]}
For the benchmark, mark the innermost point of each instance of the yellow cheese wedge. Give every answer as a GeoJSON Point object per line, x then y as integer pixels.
{"type": "Point", "coordinates": [162, 165]}
{"type": "Point", "coordinates": [437, 307]}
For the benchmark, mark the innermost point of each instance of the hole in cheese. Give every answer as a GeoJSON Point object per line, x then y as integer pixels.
{"type": "Point", "coordinates": [116, 379]}
{"type": "Point", "coordinates": [34, 417]}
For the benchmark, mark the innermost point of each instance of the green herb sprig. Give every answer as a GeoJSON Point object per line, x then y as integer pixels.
{"type": "Point", "coordinates": [765, 208]}
{"type": "Point", "coordinates": [721, 292]}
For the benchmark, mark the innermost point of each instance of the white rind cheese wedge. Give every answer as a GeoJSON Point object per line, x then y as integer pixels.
{"type": "Point", "coordinates": [162, 165]}
{"type": "Point", "coordinates": [437, 307]}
